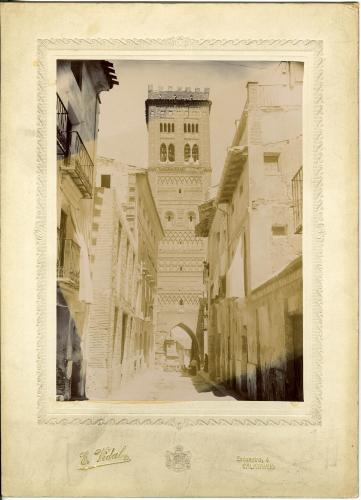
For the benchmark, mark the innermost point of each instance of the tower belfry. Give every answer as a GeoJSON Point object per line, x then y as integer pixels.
{"type": "Point", "coordinates": [179, 172]}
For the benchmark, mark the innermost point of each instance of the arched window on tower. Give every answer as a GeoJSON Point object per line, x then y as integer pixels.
{"type": "Point", "coordinates": [185, 127]}
{"type": "Point", "coordinates": [189, 127]}
{"type": "Point", "coordinates": [195, 152]}
{"type": "Point", "coordinates": [172, 127]}
{"type": "Point", "coordinates": [163, 152]}
{"type": "Point", "coordinates": [187, 152]}
{"type": "Point", "coordinates": [192, 127]}
{"type": "Point", "coordinates": [171, 152]}
{"type": "Point", "coordinates": [168, 127]}
{"type": "Point", "coordinates": [161, 127]}
{"type": "Point", "coordinates": [196, 127]}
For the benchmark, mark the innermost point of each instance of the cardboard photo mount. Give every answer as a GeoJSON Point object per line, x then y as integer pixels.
{"type": "Point", "coordinates": [251, 448]}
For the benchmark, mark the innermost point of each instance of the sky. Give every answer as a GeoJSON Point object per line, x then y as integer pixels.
{"type": "Point", "coordinates": [122, 127]}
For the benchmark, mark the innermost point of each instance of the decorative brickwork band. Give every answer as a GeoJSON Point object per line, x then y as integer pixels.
{"type": "Point", "coordinates": [181, 298]}
{"type": "Point", "coordinates": [176, 180]}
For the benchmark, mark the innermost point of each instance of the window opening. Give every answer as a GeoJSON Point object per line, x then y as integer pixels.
{"type": "Point", "coordinates": [105, 181]}
{"type": "Point", "coordinates": [169, 216]}
{"type": "Point", "coordinates": [163, 152]}
{"type": "Point", "coordinates": [279, 230]}
{"type": "Point", "coordinates": [195, 153]}
{"type": "Point", "coordinates": [187, 152]}
{"type": "Point", "coordinates": [171, 152]}
{"type": "Point", "coordinates": [271, 163]}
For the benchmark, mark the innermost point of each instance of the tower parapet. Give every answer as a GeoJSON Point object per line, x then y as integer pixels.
{"type": "Point", "coordinates": [176, 97]}
{"type": "Point", "coordinates": [179, 93]}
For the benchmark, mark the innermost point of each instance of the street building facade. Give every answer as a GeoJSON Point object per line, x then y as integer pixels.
{"type": "Point", "coordinates": [125, 234]}
{"type": "Point", "coordinates": [179, 172]}
{"type": "Point", "coordinates": [79, 84]}
{"type": "Point", "coordinates": [253, 273]}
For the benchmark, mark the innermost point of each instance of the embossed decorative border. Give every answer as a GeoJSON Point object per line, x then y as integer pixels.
{"type": "Point", "coordinates": [196, 45]}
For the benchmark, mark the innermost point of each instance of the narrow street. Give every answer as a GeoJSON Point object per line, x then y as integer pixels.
{"type": "Point", "coordinates": [153, 272]}
{"type": "Point", "coordinates": [159, 385]}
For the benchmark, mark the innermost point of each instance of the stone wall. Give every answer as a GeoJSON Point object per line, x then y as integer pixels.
{"type": "Point", "coordinates": [256, 344]}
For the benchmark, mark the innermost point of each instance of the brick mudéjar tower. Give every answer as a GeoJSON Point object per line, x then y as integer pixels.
{"type": "Point", "coordinates": [180, 174]}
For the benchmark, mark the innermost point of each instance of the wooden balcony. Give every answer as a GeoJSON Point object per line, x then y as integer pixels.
{"type": "Point", "coordinates": [79, 165]}
{"type": "Point", "coordinates": [68, 264]}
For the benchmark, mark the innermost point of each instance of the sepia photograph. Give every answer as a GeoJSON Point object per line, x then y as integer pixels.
{"type": "Point", "coordinates": [179, 250]}
{"type": "Point", "coordinates": [179, 230]}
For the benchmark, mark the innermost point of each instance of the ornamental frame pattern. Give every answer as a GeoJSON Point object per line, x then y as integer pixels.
{"type": "Point", "coordinates": [195, 47]}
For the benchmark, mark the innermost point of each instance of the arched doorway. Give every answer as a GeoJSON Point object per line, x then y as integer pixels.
{"type": "Point", "coordinates": [181, 348]}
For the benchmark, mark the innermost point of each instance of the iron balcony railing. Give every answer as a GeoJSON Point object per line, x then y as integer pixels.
{"type": "Point", "coordinates": [68, 264]}
{"type": "Point", "coordinates": [71, 149]}
{"type": "Point", "coordinates": [79, 165]}
{"type": "Point", "coordinates": [297, 194]}
{"type": "Point", "coordinates": [62, 124]}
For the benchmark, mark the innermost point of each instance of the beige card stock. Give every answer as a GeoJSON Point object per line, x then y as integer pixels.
{"type": "Point", "coordinates": [197, 448]}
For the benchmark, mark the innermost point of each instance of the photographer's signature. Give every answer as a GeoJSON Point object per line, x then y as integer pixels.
{"type": "Point", "coordinates": [102, 457]}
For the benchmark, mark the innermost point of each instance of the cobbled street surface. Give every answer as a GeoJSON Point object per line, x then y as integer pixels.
{"type": "Point", "coordinates": [159, 385]}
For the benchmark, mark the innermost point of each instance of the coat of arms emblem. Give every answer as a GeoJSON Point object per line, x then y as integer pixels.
{"type": "Point", "coordinates": [178, 460]}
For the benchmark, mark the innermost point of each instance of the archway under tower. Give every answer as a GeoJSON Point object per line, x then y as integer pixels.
{"type": "Point", "coordinates": [181, 348]}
